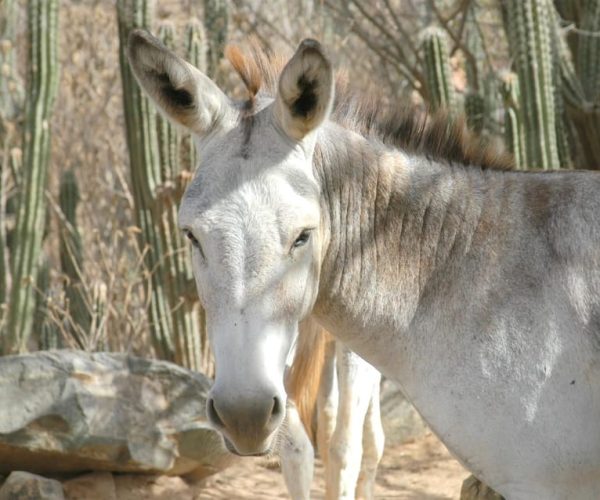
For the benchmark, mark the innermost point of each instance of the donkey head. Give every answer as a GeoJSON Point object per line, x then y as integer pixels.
{"type": "Point", "coordinates": [253, 216]}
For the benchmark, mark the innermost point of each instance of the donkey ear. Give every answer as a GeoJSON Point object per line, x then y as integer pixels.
{"type": "Point", "coordinates": [305, 92]}
{"type": "Point", "coordinates": [182, 92]}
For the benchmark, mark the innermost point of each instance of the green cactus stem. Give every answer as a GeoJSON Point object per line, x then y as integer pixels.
{"type": "Point", "coordinates": [43, 325]}
{"type": "Point", "coordinates": [144, 158]}
{"type": "Point", "coordinates": [216, 24]}
{"type": "Point", "coordinates": [440, 88]}
{"type": "Point", "coordinates": [156, 174]}
{"type": "Point", "coordinates": [26, 248]}
{"type": "Point", "coordinates": [71, 256]}
{"type": "Point", "coordinates": [528, 25]}
{"type": "Point", "coordinates": [196, 54]}
{"type": "Point", "coordinates": [579, 64]}
{"type": "Point", "coordinates": [475, 111]}
{"type": "Point", "coordinates": [513, 122]}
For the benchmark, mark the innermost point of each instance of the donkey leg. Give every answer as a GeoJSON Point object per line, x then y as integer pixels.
{"type": "Point", "coordinates": [327, 403]}
{"type": "Point", "coordinates": [345, 450]}
{"type": "Point", "coordinates": [373, 443]}
{"type": "Point", "coordinates": [297, 457]}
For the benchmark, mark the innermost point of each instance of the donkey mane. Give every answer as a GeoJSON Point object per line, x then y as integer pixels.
{"type": "Point", "coordinates": [438, 135]}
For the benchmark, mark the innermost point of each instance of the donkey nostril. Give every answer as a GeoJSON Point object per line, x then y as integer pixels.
{"type": "Point", "coordinates": [277, 407]}
{"type": "Point", "coordinates": [213, 414]}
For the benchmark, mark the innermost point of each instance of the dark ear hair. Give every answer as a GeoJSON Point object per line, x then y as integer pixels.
{"type": "Point", "coordinates": [305, 91]}
{"type": "Point", "coordinates": [187, 96]}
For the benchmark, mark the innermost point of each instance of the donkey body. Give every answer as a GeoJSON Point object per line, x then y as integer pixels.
{"type": "Point", "coordinates": [474, 288]}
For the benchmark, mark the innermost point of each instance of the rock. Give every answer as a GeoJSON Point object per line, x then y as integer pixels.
{"type": "Point", "coordinates": [71, 411]}
{"type": "Point", "coordinates": [474, 489]}
{"type": "Point", "coordinates": [25, 486]}
{"type": "Point", "coordinates": [91, 487]}
{"type": "Point", "coordinates": [401, 422]}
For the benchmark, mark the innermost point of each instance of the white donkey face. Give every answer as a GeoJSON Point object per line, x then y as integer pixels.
{"type": "Point", "coordinates": [253, 216]}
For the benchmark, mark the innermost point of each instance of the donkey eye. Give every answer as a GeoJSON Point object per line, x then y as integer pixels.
{"type": "Point", "coordinates": [302, 239]}
{"type": "Point", "coordinates": [190, 236]}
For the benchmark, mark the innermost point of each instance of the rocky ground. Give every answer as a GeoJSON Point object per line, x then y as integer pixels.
{"type": "Point", "coordinates": [419, 470]}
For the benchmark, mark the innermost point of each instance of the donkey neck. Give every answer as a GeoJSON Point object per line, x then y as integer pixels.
{"type": "Point", "coordinates": [396, 226]}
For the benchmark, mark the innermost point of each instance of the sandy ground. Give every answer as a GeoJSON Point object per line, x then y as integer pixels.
{"type": "Point", "coordinates": [422, 469]}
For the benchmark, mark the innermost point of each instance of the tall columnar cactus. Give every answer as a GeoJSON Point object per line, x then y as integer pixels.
{"type": "Point", "coordinates": [177, 268]}
{"type": "Point", "coordinates": [196, 53]}
{"type": "Point", "coordinates": [528, 26]}
{"type": "Point", "coordinates": [167, 134]}
{"type": "Point", "coordinates": [440, 88]}
{"type": "Point", "coordinates": [144, 159]}
{"type": "Point", "coordinates": [71, 257]}
{"type": "Point", "coordinates": [513, 121]}
{"type": "Point", "coordinates": [579, 65]}
{"type": "Point", "coordinates": [26, 248]}
{"type": "Point", "coordinates": [216, 21]}
{"type": "Point", "coordinates": [155, 174]}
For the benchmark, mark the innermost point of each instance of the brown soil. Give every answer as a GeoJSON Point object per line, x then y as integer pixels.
{"type": "Point", "coordinates": [419, 470]}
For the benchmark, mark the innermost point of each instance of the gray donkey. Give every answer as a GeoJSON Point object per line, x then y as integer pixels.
{"type": "Point", "coordinates": [475, 288]}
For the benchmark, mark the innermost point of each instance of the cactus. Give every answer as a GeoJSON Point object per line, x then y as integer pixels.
{"type": "Point", "coordinates": [142, 143]}
{"type": "Point", "coordinates": [216, 21]}
{"type": "Point", "coordinates": [196, 53]}
{"type": "Point", "coordinates": [156, 175]}
{"type": "Point", "coordinates": [71, 257]}
{"type": "Point", "coordinates": [475, 111]}
{"type": "Point", "coordinates": [474, 44]}
{"type": "Point", "coordinates": [579, 66]}
{"type": "Point", "coordinates": [43, 325]}
{"type": "Point", "coordinates": [528, 25]}
{"type": "Point", "coordinates": [26, 248]}
{"type": "Point", "coordinates": [177, 268]}
{"type": "Point", "coordinates": [437, 69]}
{"type": "Point", "coordinates": [588, 53]}
{"type": "Point", "coordinates": [513, 122]}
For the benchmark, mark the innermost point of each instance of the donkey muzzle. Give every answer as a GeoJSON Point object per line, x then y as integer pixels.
{"type": "Point", "coordinates": [247, 423]}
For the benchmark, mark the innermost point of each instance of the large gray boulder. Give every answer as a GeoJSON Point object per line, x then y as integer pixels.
{"type": "Point", "coordinates": [25, 486]}
{"type": "Point", "coordinates": [71, 411]}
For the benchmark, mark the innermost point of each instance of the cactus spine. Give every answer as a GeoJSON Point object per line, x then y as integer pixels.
{"type": "Point", "coordinates": [437, 70]}
{"type": "Point", "coordinates": [528, 25]}
{"type": "Point", "coordinates": [42, 88]}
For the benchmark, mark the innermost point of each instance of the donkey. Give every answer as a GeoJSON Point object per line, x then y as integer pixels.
{"type": "Point", "coordinates": [474, 287]}
{"type": "Point", "coordinates": [349, 432]}
{"type": "Point", "coordinates": [350, 436]}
